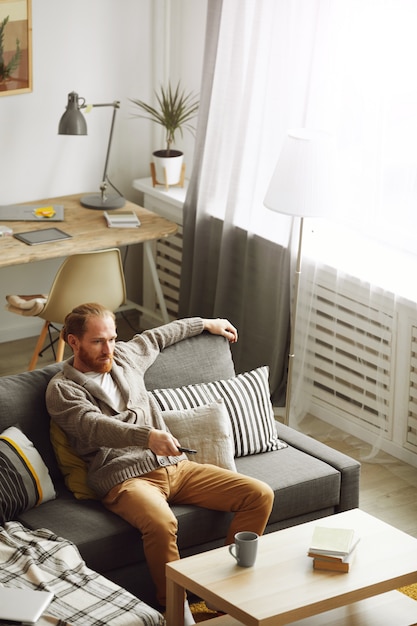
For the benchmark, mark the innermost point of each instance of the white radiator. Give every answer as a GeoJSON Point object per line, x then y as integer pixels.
{"type": "Point", "coordinates": [352, 386]}
{"type": "Point", "coordinates": [166, 251]}
{"type": "Point", "coordinates": [168, 256]}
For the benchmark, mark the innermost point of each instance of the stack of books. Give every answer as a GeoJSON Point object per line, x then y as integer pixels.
{"type": "Point", "coordinates": [122, 219]}
{"type": "Point", "coordinates": [333, 548]}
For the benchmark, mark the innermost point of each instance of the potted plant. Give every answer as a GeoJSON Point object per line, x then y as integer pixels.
{"type": "Point", "coordinates": [174, 111]}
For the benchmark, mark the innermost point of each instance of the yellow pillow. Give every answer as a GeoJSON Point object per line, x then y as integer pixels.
{"type": "Point", "coordinates": [72, 467]}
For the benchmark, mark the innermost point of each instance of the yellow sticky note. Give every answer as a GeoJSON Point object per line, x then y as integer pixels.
{"type": "Point", "coordinates": [45, 211]}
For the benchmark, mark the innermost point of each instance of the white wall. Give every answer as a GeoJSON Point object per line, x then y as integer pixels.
{"type": "Point", "coordinates": [104, 50]}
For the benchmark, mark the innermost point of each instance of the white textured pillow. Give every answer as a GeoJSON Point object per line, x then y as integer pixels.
{"type": "Point", "coordinates": [205, 429]}
{"type": "Point", "coordinates": [248, 404]}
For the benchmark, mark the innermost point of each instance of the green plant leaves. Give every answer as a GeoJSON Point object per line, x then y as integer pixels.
{"type": "Point", "coordinates": [175, 110]}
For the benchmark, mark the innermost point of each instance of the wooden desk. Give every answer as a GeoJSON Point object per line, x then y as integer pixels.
{"type": "Point", "coordinates": [89, 232]}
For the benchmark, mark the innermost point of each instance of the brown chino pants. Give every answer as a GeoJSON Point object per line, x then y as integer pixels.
{"type": "Point", "coordinates": [144, 503]}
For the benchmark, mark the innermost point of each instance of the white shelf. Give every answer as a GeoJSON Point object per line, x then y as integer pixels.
{"type": "Point", "coordinates": [175, 196]}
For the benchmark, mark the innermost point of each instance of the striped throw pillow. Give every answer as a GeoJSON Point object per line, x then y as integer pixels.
{"type": "Point", "coordinates": [248, 403]}
{"type": "Point", "coordinates": [24, 477]}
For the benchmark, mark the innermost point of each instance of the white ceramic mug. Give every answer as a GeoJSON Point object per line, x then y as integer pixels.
{"type": "Point", "coordinates": [244, 548]}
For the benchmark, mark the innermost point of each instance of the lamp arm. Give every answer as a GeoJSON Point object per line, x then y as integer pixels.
{"type": "Point", "coordinates": [116, 106]}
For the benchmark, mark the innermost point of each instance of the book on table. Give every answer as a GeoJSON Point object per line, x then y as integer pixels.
{"type": "Point", "coordinates": [333, 564]}
{"type": "Point", "coordinates": [337, 542]}
{"type": "Point", "coordinates": [332, 548]}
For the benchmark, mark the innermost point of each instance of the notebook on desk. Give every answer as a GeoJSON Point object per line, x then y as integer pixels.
{"type": "Point", "coordinates": [32, 213]}
{"type": "Point", "coordinates": [23, 606]}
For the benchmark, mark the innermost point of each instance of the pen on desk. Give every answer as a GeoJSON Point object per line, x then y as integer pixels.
{"type": "Point", "coordinates": [187, 450]}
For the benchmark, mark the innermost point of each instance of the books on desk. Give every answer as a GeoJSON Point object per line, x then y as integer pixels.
{"type": "Point", "coordinates": [333, 548]}
{"type": "Point", "coordinates": [122, 219]}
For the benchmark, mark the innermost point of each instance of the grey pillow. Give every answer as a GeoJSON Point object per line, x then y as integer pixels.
{"type": "Point", "coordinates": [206, 429]}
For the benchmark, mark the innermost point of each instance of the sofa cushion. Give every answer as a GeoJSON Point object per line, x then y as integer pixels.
{"type": "Point", "coordinates": [73, 468]}
{"type": "Point", "coordinates": [104, 539]}
{"type": "Point", "coordinates": [247, 399]}
{"type": "Point", "coordinates": [24, 477]}
{"type": "Point", "coordinates": [301, 482]}
{"type": "Point", "coordinates": [206, 429]}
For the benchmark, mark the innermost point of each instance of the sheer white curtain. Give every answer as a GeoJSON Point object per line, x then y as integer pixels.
{"type": "Point", "coordinates": [255, 85]}
{"type": "Point", "coordinates": [358, 309]}
{"type": "Point", "coordinates": [347, 67]}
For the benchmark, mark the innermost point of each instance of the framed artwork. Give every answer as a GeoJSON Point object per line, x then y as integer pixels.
{"type": "Point", "coordinates": [15, 47]}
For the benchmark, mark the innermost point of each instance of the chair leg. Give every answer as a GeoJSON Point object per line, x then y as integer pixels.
{"type": "Point", "coordinates": [38, 347]}
{"type": "Point", "coordinates": [52, 340]}
{"type": "Point", "coordinates": [60, 350]}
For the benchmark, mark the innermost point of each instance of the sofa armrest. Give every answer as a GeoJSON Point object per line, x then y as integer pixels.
{"type": "Point", "coordinates": [349, 468]}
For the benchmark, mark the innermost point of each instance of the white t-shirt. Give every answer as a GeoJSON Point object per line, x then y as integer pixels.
{"type": "Point", "coordinates": [108, 385]}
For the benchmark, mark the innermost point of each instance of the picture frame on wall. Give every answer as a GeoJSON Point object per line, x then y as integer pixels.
{"type": "Point", "coordinates": [15, 47]}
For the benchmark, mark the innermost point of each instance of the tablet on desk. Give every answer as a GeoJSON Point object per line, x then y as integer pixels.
{"type": "Point", "coordinates": [45, 235]}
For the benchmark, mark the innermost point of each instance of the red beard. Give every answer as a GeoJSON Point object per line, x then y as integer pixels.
{"type": "Point", "coordinates": [100, 365]}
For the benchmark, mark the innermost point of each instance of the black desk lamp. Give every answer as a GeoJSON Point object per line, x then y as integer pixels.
{"type": "Point", "coordinates": [73, 123]}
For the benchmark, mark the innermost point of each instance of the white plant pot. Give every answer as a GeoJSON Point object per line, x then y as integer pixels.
{"type": "Point", "coordinates": [168, 168]}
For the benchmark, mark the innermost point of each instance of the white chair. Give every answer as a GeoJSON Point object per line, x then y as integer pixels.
{"type": "Point", "coordinates": [87, 277]}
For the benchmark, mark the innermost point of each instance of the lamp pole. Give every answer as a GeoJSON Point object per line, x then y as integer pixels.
{"type": "Point", "coordinates": [291, 353]}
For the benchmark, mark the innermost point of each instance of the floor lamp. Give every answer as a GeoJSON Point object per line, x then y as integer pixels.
{"type": "Point", "coordinates": [301, 187]}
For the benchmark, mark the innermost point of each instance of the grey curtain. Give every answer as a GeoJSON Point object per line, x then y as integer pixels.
{"type": "Point", "coordinates": [229, 271]}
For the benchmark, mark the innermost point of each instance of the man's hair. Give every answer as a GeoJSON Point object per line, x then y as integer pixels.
{"type": "Point", "coordinates": [76, 322]}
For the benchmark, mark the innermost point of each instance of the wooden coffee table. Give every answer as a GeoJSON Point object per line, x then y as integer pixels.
{"type": "Point", "coordinates": [283, 588]}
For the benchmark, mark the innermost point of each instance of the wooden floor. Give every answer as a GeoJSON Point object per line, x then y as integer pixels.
{"type": "Point", "coordinates": [388, 486]}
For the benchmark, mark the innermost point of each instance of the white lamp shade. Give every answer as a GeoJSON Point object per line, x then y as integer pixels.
{"type": "Point", "coordinates": [302, 183]}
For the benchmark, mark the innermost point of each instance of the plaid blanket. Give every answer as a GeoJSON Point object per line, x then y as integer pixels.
{"type": "Point", "coordinates": [38, 559]}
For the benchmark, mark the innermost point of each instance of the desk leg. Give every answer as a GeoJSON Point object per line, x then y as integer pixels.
{"type": "Point", "coordinates": [155, 280]}
{"type": "Point", "coordinates": [175, 604]}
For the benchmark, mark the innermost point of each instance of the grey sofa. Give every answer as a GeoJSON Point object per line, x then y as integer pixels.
{"type": "Point", "coordinates": [310, 480]}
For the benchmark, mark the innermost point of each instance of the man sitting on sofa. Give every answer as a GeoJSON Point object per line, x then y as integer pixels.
{"type": "Point", "coordinates": [134, 463]}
